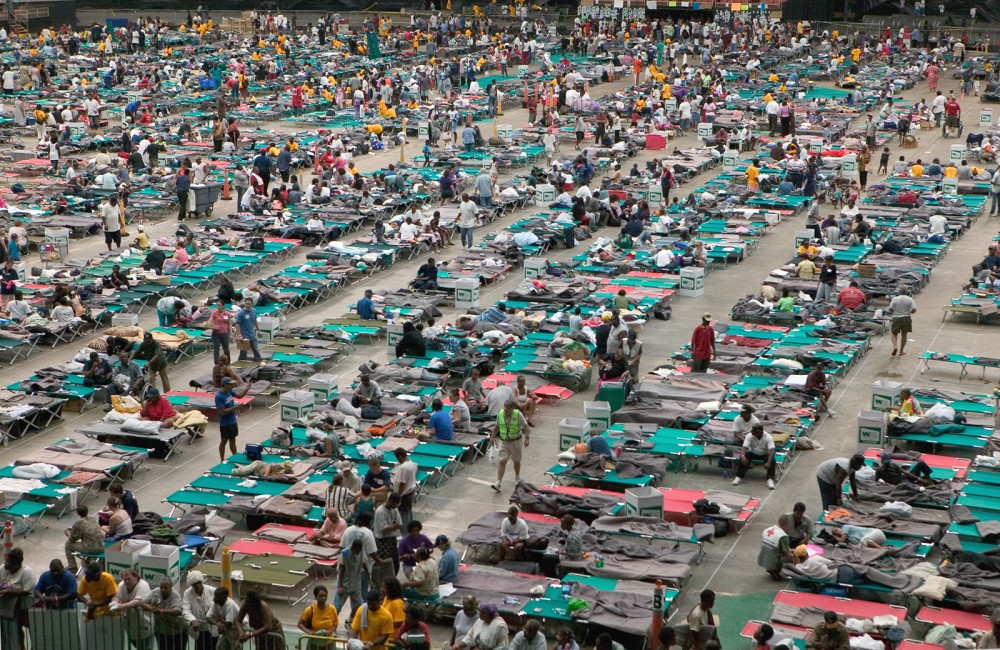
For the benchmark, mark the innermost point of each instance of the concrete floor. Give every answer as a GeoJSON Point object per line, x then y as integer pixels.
{"type": "Point", "coordinates": [730, 565]}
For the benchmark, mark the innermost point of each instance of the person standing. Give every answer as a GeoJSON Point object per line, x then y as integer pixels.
{"type": "Point", "coordinates": [168, 623]}
{"type": "Point", "coordinates": [152, 353]}
{"type": "Point", "coordinates": [512, 432]}
{"type": "Point", "coordinates": [827, 280]}
{"type": "Point", "coordinates": [353, 572]}
{"type": "Point", "coordinates": [831, 475]}
{"type": "Point", "coordinates": [405, 484]}
{"type": "Point", "coordinates": [196, 605]}
{"type": "Point", "coordinates": [247, 332]}
{"type": "Point", "coordinates": [183, 185]}
{"type": "Point", "coordinates": [132, 594]}
{"type": "Point", "coordinates": [995, 192]}
{"type": "Point", "coordinates": [484, 188]}
{"type": "Point", "coordinates": [387, 526]}
{"type": "Point", "coordinates": [284, 163]}
{"type": "Point", "coordinates": [901, 310]}
{"type": "Point", "coordinates": [225, 405]}
{"type": "Point", "coordinates": [466, 221]}
{"type": "Point", "coordinates": [702, 344]}
{"type": "Point", "coordinates": [111, 222]}
{"type": "Point", "coordinates": [221, 322]}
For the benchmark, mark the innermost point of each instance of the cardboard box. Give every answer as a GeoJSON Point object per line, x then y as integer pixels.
{"type": "Point", "coordinates": [268, 327]}
{"type": "Point", "coordinates": [692, 281]}
{"type": "Point", "coordinates": [125, 320]}
{"type": "Point", "coordinates": [871, 428]}
{"type": "Point", "coordinates": [466, 293]}
{"type": "Point", "coordinates": [643, 502]}
{"type": "Point", "coordinates": [323, 387]}
{"type": "Point", "coordinates": [123, 555]}
{"type": "Point", "coordinates": [866, 270]}
{"type": "Point", "coordinates": [573, 431]}
{"type": "Point", "coordinates": [295, 404]}
{"type": "Point", "coordinates": [160, 561]}
{"type": "Point", "coordinates": [599, 416]}
{"type": "Point", "coordinates": [884, 394]}
{"type": "Point", "coordinates": [535, 267]}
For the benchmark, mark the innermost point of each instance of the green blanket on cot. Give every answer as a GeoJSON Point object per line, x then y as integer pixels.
{"type": "Point", "coordinates": [942, 429]}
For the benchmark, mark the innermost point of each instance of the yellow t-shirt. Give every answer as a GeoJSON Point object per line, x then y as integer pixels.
{"type": "Point", "coordinates": [806, 269]}
{"type": "Point", "coordinates": [917, 171]}
{"type": "Point", "coordinates": [397, 608]}
{"type": "Point", "coordinates": [379, 623]}
{"type": "Point", "coordinates": [856, 54]}
{"type": "Point", "coordinates": [753, 174]}
{"type": "Point", "coordinates": [102, 589]}
{"type": "Point", "coordinates": [142, 240]}
{"type": "Point", "coordinates": [950, 172]}
{"type": "Point", "coordinates": [320, 619]}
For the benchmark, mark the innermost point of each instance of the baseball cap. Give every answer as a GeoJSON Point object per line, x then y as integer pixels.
{"type": "Point", "coordinates": [885, 457]}
{"type": "Point", "coordinates": [706, 316]}
{"type": "Point", "coordinates": [228, 380]}
{"type": "Point", "coordinates": [151, 393]}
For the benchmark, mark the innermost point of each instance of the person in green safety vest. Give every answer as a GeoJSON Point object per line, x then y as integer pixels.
{"type": "Point", "coordinates": [511, 433]}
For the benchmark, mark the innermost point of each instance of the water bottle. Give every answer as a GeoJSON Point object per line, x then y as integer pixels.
{"type": "Point", "coordinates": [566, 588]}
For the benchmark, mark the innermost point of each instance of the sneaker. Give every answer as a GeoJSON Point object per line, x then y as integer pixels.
{"type": "Point", "coordinates": [496, 486]}
{"type": "Point", "coordinates": [517, 479]}
{"type": "Point", "coordinates": [831, 412]}
{"type": "Point", "coordinates": [737, 481]}
{"type": "Point", "coordinates": [770, 484]}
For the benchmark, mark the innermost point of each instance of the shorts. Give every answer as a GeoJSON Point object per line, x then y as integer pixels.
{"type": "Point", "coordinates": [511, 450]}
{"type": "Point", "coordinates": [113, 236]}
{"type": "Point", "coordinates": [903, 325]}
{"type": "Point", "coordinates": [951, 121]}
{"type": "Point", "coordinates": [228, 431]}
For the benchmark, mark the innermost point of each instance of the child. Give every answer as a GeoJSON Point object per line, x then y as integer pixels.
{"type": "Point", "coordinates": [565, 640]}
{"type": "Point", "coordinates": [364, 502]}
{"type": "Point", "coordinates": [13, 252]}
{"type": "Point", "coordinates": [411, 629]}
{"type": "Point", "coordinates": [427, 154]}
{"type": "Point", "coordinates": [883, 162]}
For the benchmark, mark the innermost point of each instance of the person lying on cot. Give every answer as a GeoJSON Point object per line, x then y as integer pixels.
{"type": "Point", "coordinates": [859, 536]}
{"type": "Point", "coordinates": [919, 473]}
{"type": "Point", "coordinates": [263, 469]}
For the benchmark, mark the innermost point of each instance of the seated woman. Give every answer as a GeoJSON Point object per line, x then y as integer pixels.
{"type": "Point", "coordinates": [413, 633]}
{"type": "Point", "coordinates": [615, 368]}
{"type": "Point", "coordinates": [158, 408]}
{"type": "Point", "coordinates": [180, 254]}
{"type": "Point", "coordinates": [423, 581]}
{"type": "Point", "coordinates": [411, 343]}
{"type": "Point", "coordinates": [118, 524]}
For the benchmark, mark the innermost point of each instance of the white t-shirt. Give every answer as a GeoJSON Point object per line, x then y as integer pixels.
{"type": "Point", "coordinates": [408, 231]}
{"type": "Point", "coordinates": [663, 258]}
{"type": "Point", "coordinates": [901, 306]}
{"type": "Point", "coordinates": [938, 224]}
{"type": "Point", "coordinates": [405, 479]}
{"type": "Point", "coordinates": [516, 531]}
{"type": "Point", "coordinates": [467, 214]}
{"type": "Point", "coordinates": [759, 446]}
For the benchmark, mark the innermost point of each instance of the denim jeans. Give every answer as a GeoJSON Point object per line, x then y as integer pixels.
{"type": "Point", "coordinates": [254, 347]}
{"type": "Point", "coordinates": [485, 201]}
{"type": "Point", "coordinates": [220, 341]}
{"type": "Point", "coordinates": [165, 319]}
{"type": "Point", "coordinates": [466, 236]}
{"type": "Point", "coordinates": [823, 292]}
{"type": "Point", "coordinates": [996, 202]}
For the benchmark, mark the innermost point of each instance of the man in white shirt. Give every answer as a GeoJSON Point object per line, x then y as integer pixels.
{"type": "Point", "coordinates": [684, 109]}
{"type": "Point", "coordinates": [467, 220]}
{"type": "Point", "coordinates": [315, 224]}
{"type": "Point", "coordinates": [196, 603]}
{"type": "Point", "coordinates": [9, 77]}
{"type": "Point", "coordinates": [408, 231]}
{"type": "Point", "coordinates": [939, 224]}
{"type": "Point", "coordinates": [744, 423]}
{"type": "Point", "coordinates": [850, 211]}
{"type": "Point", "coordinates": [663, 257]}
{"type": "Point", "coordinates": [405, 484]}
{"type": "Point", "coordinates": [513, 534]}
{"type": "Point", "coordinates": [772, 116]}
{"type": "Point", "coordinates": [757, 447]}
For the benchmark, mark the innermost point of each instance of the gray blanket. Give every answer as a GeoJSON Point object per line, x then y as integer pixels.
{"type": "Point", "coordinates": [650, 527]}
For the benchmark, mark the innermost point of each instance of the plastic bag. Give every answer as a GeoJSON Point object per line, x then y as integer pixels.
{"type": "Point", "coordinates": [493, 454]}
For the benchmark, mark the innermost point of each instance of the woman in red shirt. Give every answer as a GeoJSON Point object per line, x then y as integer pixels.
{"type": "Point", "coordinates": [221, 322]}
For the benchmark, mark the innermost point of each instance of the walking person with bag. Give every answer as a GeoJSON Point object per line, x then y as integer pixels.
{"type": "Point", "coordinates": [247, 332]}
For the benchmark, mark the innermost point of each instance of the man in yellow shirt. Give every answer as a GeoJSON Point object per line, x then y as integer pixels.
{"type": "Point", "coordinates": [951, 171]}
{"type": "Point", "coordinates": [379, 623]}
{"type": "Point", "coordinates": [96, 590]}
{"type": "Point", "coordinates": [806, 269]}
{"type": "Point", "coordinates": [856, 55]}
{"type": "Point", "coordinates": [917, 170]}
